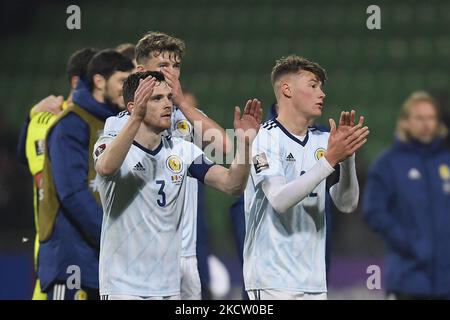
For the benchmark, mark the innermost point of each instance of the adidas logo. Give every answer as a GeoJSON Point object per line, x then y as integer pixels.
{"type": "Point", "coordinates": [290, 157]}
{"type": "Point", "coordinates": [139, 167]}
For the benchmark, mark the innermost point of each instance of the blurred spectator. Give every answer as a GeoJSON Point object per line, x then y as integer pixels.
{"type": "Point", "coordinates": [407, 201]}
{"type": "Point", "coordinates": [30, 149]}
{"type": "Point", "coordinates": [70, 214]}
{"type": "Point", "coordinates": [13, 188]}
{"type": "Point", "coordinates": [128, 50]}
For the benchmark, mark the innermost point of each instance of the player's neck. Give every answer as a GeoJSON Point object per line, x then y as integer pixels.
{"type": "Point", "coordinates": [148, 137]}
{"type": "Point", "coordinates": [294, 122]}
{"type": "Point", "coordinates": [98, 96]}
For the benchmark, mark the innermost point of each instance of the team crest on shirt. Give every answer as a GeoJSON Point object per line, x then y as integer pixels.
{"type": "Point", "coordinates": [174, 164]}
{"type": "Point", "coordinates": [183, 127]}
{"type": "Point", "coordinates": [81, 295]}
{"type": "Point", "coordinates": [39, 146]}
{"type": "Point", "coordinates": [444, 172]}
{"type": "Point", "coordinates": [319, 153]}
{"type": "Point", "coordinates": [260, 162]}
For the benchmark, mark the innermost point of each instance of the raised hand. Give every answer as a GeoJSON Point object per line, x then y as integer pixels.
{"type": "Point", "coordinates": [50, 104]}
{"type": "Point", "coordinates": [141, 97]}
{"type": "Point", "coordinates": [347, 139]}
{"type": "Point", "coordinates": [174, 83]}
{"type": "Point", "coordinates": [248, 125]}
{"type": "Point", "coordinates": [347, 120]}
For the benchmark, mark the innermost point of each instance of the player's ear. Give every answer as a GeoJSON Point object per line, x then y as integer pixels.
{"type": "Point", "coordinates": [286, 90]}
{"type": "Point", "coordinates": [99, 82]}
{"type": "Point", "coordinates": [74, 82]}
{"type": "Point", "coordinates": [130, 106]}
{"type": "Point", "coordinates": [140, 68]}
{"type": "Point", "coordinates": [403, 128]}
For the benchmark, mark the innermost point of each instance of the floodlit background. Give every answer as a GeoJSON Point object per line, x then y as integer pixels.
{"type": "Point", "coordinates": [231, 48]}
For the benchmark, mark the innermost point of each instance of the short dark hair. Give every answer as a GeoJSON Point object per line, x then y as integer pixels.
{"type": "Point", "coordinates": [127, 49]}
{"type": "Point", "coordinates": [155, 43]}
{"type": "Point", "coordinates": [132, 83]}
{"type": "Point", "coordinates": [294, 64]}
{"type": "Point", "coordinates": [78, 63]}
{"type": "Point", "coordinates": [106, 63]}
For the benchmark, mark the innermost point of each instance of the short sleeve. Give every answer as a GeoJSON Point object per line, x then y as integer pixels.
{"type": "Point", "coordinates": [100, 146]}
{"type": "Point", "coordinates": [113, 125]}
{"type": "Point", "coordinates": [266, 159]}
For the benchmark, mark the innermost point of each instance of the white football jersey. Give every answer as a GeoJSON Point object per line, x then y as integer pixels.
{"type": "Point", "coordinates": [285, 251]}
{"type": "Point", "coordinates": [180, 128]}
{"type": "Point", "coordinates": [143, 205]}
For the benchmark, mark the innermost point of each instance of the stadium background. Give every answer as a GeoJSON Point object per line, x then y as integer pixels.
{"type": "Point", "coordinates": [231, 48]}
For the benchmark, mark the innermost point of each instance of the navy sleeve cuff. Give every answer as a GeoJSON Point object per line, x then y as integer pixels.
{"type": "Point", "coordinates": [199, 167]}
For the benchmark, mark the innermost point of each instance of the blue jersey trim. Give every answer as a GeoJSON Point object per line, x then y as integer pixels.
{"type": "Point", "coordinates": [151, 152]}
{"type": "Point", "coordinates": [302, 143]}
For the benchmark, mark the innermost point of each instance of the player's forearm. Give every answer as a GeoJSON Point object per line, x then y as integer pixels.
{"type": "Point", "coordinates": [221, 143]}
{"type": "Point", "coordinates": [345, 193]}
{"type": "Point", "coordinates": [112, 158]}
{"type": "Point", "coordinates": [282, 196]}
{"type": "Point", "coordinates": [239, 171]}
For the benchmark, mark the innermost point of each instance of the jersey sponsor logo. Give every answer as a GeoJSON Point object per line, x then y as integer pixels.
{"type": "Point", "coordinates": [174, 164]}
{"type": "Point", "coordinates": [39, 145]}
{"type": "Point", "coordinates": [183, 127]}
{"type": "Point", "coordinates": [290, 157]}
{"type": "Point", "coordinates": [100, 150]}
{"type": "Point", "coordinates": [260, 162]}
{"type": "Point", "coordinates": [320, 152]}
{"type": "Point", "coordinates": [139, 167]}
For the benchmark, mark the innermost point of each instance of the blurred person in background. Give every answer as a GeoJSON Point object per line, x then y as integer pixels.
{"type": "Point", "coordinates": [407, 201]}
{"type": "Point", "coordinates": [446, 121]}
{"type": "Point", "coordinates": [128, 50]}
{"type": "Point", "coordinates": [31, 144]}
{"type": "Point", "coordinates": [70, 214]}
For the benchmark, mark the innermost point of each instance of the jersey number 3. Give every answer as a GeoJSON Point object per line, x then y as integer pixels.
{"type": "Point", "coordinates": [161, 202]}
